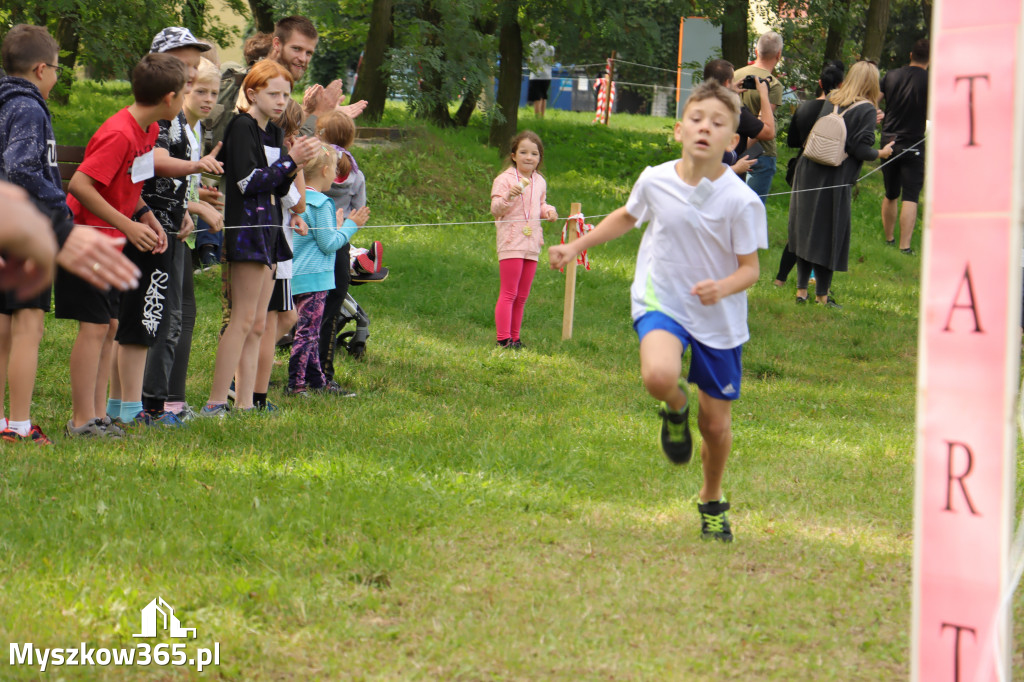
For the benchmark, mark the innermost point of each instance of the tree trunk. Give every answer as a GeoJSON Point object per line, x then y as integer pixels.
{"type": "Point", "coordinates": [466, 109]}
{"type": "Point", "coordinates": [372, 81]}
{"type": "Point", "coordinates": [874, 31]}
{"type": "Point", "coordinates": [433, 106]}
{"type": "Point", "coordinates": [262, 15]}
{"type": "Point", "coordinates": [68, 40]}
{"type": "Point", "coordinates": [836, 31]}
{"type": "Point", "coordinates": [510, 47]}
{"type": "Point", "coordinates": [193, 15]}
{"type": "Point", "coordinates": [735, 47]}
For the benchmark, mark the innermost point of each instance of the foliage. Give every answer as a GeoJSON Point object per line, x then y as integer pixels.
{"type": "Point", "coordinates": [442, 53]}
{"type": "Point", "coordinates": [112, 36]}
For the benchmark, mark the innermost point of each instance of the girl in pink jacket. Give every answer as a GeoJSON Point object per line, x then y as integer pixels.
{"type": "Point", "coordinates": [518, 202]}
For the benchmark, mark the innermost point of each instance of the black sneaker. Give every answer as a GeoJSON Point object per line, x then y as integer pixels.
{"type": "Point", "coordinates": [676, 442]}
{"type": "Point", "coordinates": [908, 251]}
{"type": "Point", "coordinates": [714, 523]}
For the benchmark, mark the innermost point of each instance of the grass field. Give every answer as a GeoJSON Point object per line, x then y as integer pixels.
{"type": "Point", "coordinates": [480, 514]}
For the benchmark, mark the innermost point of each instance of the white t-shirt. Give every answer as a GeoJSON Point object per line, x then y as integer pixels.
{"type": "Point", "coordinates": [284, 267]}
{"type": "Point", "coordinates": [686, 243]}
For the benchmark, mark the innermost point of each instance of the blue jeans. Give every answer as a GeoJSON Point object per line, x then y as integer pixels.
{"type": "Point", "coordinates": [759, 177]}
{"type": "Point", "coordinates": [204, 237]}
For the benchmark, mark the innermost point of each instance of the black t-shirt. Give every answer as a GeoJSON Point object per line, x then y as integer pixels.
{"type": "Point", "coordinates": [750, 127]}
{"type": "Point", "coordinates": [906, 105]}
{"type": "Point", "coordinates": [168, 197]}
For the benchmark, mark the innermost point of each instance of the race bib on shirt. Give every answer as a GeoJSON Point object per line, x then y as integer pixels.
{"type": "Point", "coordinates": [143, 168]}
{"type": "Point", "coordinates": [273, 154]}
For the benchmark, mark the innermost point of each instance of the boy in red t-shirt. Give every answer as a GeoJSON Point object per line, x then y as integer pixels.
{"type": "Point", "coordinates": [106, 191]}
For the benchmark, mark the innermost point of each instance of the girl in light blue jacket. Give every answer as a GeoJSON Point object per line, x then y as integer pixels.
{"type": "Point", "coordinates": [313, 271]}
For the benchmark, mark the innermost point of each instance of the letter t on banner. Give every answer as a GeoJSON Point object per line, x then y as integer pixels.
{"type": "Point", "coordinates": [969, 345]}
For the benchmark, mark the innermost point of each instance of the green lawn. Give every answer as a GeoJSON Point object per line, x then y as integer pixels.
{"type": "Point", "coordinates": [478, 514]}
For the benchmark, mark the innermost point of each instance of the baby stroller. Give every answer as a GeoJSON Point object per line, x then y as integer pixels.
{"type": "Point", "coordinates": [366, 268]}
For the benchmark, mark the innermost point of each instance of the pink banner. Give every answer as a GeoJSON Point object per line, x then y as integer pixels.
{"type": "Point", "coordinates": [967, 376]}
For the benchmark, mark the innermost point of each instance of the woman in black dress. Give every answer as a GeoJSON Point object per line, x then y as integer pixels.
{"type": "Point", "coordinates": [819, 211]}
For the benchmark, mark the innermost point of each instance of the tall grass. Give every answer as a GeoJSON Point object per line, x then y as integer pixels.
{"type": "Point", "coordinates": [482, 514]}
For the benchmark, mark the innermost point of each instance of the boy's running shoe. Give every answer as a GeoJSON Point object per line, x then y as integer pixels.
{"type": "Point", "coordinates": [91, 429]}
{"type": "Point", "coordinates": [296, 392]}
{"type": "Point", "coordinates": [676, 442]}
{"type": "Point", "coordinates": [714, 523]}
{"type": "Point", "coordinates": [219, 411]}
{"type": "Point", "coordinates": [35, 434]}
{"type": "Point", "coordinates": [267, 407]}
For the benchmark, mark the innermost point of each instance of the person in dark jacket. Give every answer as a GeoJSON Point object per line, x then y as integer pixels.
{"type": "Point", "coordinates": [799, 128]}
{"type": "Point", "coordinates": [819, 212]}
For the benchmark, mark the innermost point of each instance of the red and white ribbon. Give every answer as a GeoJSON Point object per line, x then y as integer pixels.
{"type": "Point", "coordinates": [581, 229]}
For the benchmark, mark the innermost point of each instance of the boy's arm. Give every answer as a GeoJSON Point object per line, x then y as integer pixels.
{"type": "Point", "coordinates": [84, 189]}
{"type": "Point", "coordinates": [767, 113]}
{"type": "Point", "coordinates": [712, 291]}
{"type": "Point", "coordinates": [166, 166]}
{"type": "Point", "coordinates": [616, 224]}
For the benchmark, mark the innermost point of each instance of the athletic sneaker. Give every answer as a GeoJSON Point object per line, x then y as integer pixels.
{"type": "Point", "coordinates": [91, 429]}
{"type": "Point", "coordinates": [334, 388]}
{"type": "Point", "coordinates": [219, 411]}
{"type": "Point", "coordinates": [187, 413]}
{"type": "Point", "coordinates": [296, 392]}
{"type": "Point", "coordinates": [267, 407]}
{"type": "Point", "coordinates": [35, 434]}
{"type": "Point", "coordinates": [676, 442]}
{"type": "Point", "coordinates": [113, 428]}
{"type": "Point", "coordinates": [168, 419]}
{"type": "Point", "coordinates": [714, 523]}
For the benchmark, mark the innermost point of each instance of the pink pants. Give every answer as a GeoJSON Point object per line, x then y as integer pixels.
{"type": "Point", "coordinates": [516, 278]}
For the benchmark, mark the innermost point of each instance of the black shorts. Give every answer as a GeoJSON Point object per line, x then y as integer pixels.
{"type": "Point", "coordinates": [281, 299]}
{"type": "Point", "coordinates": [76, 299]}
{"type": "Point", "coordinates": [9, 302]}
{"type": "Point", "coordinates": [537, 89]}
{"type": "Point", "coordinates": [904, 175]}
{"type": "Point", "coordinates": [143, 309]}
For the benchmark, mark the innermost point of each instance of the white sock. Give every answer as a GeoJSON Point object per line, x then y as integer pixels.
{"type": "Point", "coordinates": [3, 423]}
{"type": "Point", "coordinates": [21, 428]}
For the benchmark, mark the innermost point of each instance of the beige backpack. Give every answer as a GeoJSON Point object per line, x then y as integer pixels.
{"type": "Point", "coordinates": [826, 143]}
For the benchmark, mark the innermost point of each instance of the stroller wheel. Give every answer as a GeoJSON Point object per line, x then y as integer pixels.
{"type": "Point", "coordinates": [356, 349]}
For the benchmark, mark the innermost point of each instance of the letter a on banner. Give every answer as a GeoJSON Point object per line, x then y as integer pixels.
{"type": "Point", "coordinates": [969, 343]}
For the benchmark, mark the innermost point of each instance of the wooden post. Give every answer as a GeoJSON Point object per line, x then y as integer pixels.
{"type": "Point", "coordinates": [570, 280]}
{"type": "Point", "coordinates": [609, 75]}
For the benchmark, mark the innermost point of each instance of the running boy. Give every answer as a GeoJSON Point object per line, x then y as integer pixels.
{"type": "Point", "coordinates": [695, 262]}
{"type": "Point", "coordinates": [27, 158]}
{"type": "Point", "coordinates": [106, 192]}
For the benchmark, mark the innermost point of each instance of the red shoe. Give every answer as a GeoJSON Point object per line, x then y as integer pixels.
{"type": "Point", "coordinates": [372, 259]}
{"type": "Point", "coordinates": [35, 434]}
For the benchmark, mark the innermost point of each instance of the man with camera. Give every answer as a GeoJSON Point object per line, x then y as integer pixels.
{"type": "Point", "coordinates": [758, 128]}
{"type": "Point", "coordinates": [769, 52]}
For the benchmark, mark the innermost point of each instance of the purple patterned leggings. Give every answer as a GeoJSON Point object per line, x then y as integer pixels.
{"type": "Point", "coordinates": [304, 365]}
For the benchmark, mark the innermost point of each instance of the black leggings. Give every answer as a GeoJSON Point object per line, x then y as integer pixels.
{"type": "Point", "coordinates": [786, 263]}
{"type": "Point", "coordinates": [332, 308]}
{"type": "Point", "coordinates": [179, 370]}
{"type": "Point", "coordinates": [822, 276]}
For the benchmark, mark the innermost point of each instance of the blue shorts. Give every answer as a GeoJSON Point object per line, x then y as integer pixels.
{"type": "Point", "coordinates": [717, 372]}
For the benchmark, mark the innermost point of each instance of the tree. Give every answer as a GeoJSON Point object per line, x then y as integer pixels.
{"type": "Point", "coordinates": [372, 80]}
{"type": "Point", "coordinates": [735, 45]}
{"type": "Point", "coordinates": [874, 32]}
{"type": "Point", "coordinates": [510, 47]}
{"type": "Point", "coordinates": [262, 15]}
